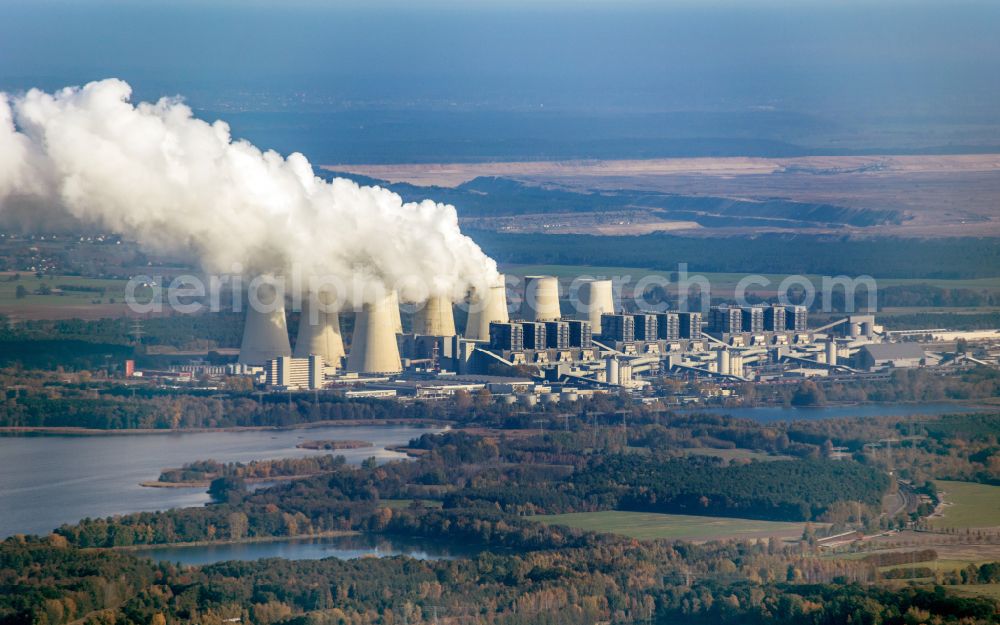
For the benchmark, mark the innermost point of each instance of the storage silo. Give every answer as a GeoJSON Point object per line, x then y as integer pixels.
{"type": "Point", "coordinates": [724, 364]}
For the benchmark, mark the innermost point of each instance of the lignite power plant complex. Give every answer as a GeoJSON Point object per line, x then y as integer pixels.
{"type": "Point", "coordinates": [598, 345]}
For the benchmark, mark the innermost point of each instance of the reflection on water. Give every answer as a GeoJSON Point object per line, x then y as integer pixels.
{"type": "Point", "coordinates": [46, 481]}
{"type": "Point", "coordinates": [343, 547]}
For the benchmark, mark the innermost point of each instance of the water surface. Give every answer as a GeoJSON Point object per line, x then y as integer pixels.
{"type": "Point", "coordinates": [46, 481]}
{"type": "Point", "coordinates": [343, 547]}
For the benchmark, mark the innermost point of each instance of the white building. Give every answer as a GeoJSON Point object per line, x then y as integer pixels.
{"type": "Point", "coordinates": [286, 372]}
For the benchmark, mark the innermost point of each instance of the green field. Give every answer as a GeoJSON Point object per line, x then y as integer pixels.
{"type": "Point", "coordinates": [112, 290]}
{"type": "Point", "coordinates": [647, 525]}
{"type": "Point", "coordinates": [733, 454]}
{"type": "Point", "coordinates": [977, 590]}
{"type": "Point", "coordinates": [402, 504]}
{"type": "Point", "coordinates": [969, 505]}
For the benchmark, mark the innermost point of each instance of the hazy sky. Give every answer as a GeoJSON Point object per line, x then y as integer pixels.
{"type": "Point", "coordinates": [637, 55]}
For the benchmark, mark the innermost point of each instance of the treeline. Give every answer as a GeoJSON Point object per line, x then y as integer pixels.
{"type": "Point", "coordinates": [770, 254]}
{"type": "Point", "coordinates": [603, 581]}
{"type": "Point", "coordinates": [113, 409]}
{"type": "Point", "coordinates": [791, 490]}
{"type": "Point", "coordinates": [224, 329]}
{"type": "Point", "coordinates": [953, 321]}
{"type": "Point", "coordinates": [891, 558]}
{"type": "Point", "coordinates": [528, 572]}
{"type": "Point", "coordinates": [903, 385]}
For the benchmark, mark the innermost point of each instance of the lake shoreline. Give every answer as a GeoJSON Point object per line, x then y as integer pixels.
{"type": "Point", "coordinates": [248, 480]}
{"type": "Point", "coordinates": [79, 431]}
{"type": "Point", "coordinates": [232, 541]}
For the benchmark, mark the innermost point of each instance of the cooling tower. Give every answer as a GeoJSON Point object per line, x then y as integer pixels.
{"type": "Point", "coordinates": [322, 338]}
{"type": "Point", "coordinates": [541, 298]}
{"type": "Point", "coordinates": [265, 335]}
{"type": "Point", "coordinates": [483, 311]}
{"type": "Point", "coordinates": [436, 318]}
{"type": "Point", "coordinates": [595, 299]}
{"type": "Point", "coordinates": [373, 348]}
{"type": "Point", "coordinates": [397, 320]}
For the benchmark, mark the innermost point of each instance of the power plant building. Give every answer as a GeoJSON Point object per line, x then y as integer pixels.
{"type": "Point", "coordinates": [774, 319]}
{"type": "Point", "coordinates": [690, 323]}
{"type": "Point", "coordinates": [668, 326]}
{"type": "Point", "coordinates": [752, 318]}
{"type": "Point", "coordinates": [618, 328]}
{"type": "Point", "coordinates": [580, 334]}
{"type": "Point", "coordinates": [534, 335]}
{"type": "Point", "coordinates": [557, 334]}
{"type": "Point", "coordinates": [294, 373]}
{"type": "Point", "coordinates": [507, 337]}
{"type": "Point", "coordinates": [645, 327]}
{"type": "Point", "coordinates": [725, 320]}
{"type": "Point", "coordinates": [796, 318]}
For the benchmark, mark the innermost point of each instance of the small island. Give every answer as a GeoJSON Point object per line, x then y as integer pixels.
{"type": "Point", "coordinates": [332, 445]}
{"type": "Point", "coordinates": [202, 472]}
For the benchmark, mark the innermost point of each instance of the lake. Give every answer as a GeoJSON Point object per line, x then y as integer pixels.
{"type": "Point", "coordinates": [47, 480]}
{"type": "Point", "coordinates": [343, 547]}
{"type": "Point", "coordinates": [767, 414]}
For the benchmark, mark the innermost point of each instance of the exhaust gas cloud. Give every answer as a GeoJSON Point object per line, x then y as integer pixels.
{"type": "Point", "coordinates": [177, 184]}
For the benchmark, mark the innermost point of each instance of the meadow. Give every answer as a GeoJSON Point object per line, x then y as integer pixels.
{"type": "Point", "coordinates": [651, 526]}
{"type": "Point", "coordinates": [968, 505]}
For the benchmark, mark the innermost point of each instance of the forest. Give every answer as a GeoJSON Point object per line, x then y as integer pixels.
{"type": "Point", "coordinates": [526, 572]}
{"type": "Point", "coordinates": [926, 259]}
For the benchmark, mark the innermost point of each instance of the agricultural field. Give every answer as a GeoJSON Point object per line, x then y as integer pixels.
{"type": "Point", "coordinates": [651, 526]}
{"type": "Point", "coordinates": [967, 505]}
{"type": "Point", "coordinates": [728, 455]}
{"type": "Point", "coordinates": [27, 296]}
{"type": "Point", "coordinates": [977, 590]}
{"type": "Point", "coordinates": [58, 290]}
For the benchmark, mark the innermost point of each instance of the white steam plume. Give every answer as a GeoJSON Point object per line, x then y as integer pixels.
{"type": "Point", "coordinates": [175, 183]}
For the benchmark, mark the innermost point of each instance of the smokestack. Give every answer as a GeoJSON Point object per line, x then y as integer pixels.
{"type": "Point", "coordinates": [265, 335]}
{"type": "Point", "coordinates": [393, 303]}
{"type": "Point", "coordinates": [436, 318]}
{"type": "Point", "coordinates": [322, 338]}
{"type": "Point", "coordinates": [492, 307]}
{"type": "Point", "coordinates": [541, 298]}
{"type": "Point", "coordinates": [373, 348]}
{"type": "Point", "coordinates": [595, 299]}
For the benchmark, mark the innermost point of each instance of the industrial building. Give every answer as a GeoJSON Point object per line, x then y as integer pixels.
{"type": "Point", "coordinates": [618, 327]}
{"type": "Point", "coordinates": [287, 373]}
{"type": "Point", "coordinates": [433, 359]}
{"type": "Point", "coordinates": [890, 355]}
